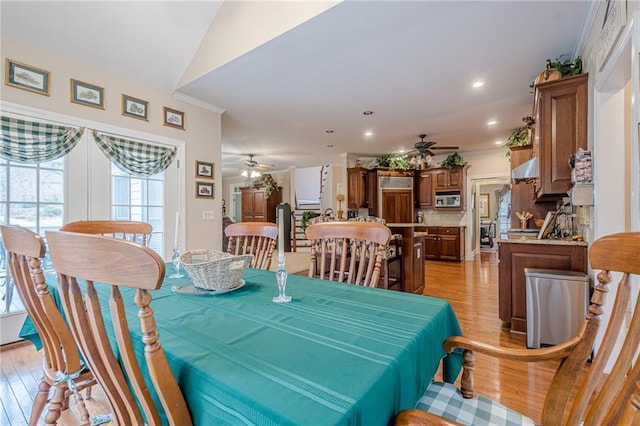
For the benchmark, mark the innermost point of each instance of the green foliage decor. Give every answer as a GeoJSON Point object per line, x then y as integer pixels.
{"type": "Point", "coordinates": [394, 161]}
{"type": "Point", "coordinates": [266, 182]}
{"type": "Point", "coordinates": [519, 137]}
{"type": "Point", "coordinates": [452, 160]}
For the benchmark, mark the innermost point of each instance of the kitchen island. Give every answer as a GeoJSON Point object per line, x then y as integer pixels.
{"type": "Point", "coordinates": [515, 255]}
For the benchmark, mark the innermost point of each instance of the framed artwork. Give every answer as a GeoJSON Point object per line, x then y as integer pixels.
{"type": "Point", "coordinates": [204, 190]}
{"type": "Point", "coordinates": [136, 108]}
{"type": "Point", "coordinates": [483, 205]}
{"type": "Point", "coordinates": [26, 77]}
{"type": "Point", "coordinates": [87, 94]}
{"type": "Point", "coordinates": [173, 118]}
{"type": "Point", "coordinates": [204, 170]}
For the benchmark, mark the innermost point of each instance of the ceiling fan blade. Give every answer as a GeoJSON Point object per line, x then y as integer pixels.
{"type": "Point", "coordinates": [445, 147]}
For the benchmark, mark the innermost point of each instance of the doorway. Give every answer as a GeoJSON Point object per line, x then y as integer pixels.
{"type": "Point", "coordinates": [491, 213]}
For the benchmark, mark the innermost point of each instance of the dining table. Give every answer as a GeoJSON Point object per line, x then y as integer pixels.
{"type": "Point", "coordinates": [337, 354]}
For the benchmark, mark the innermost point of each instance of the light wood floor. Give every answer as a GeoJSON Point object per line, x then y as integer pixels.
{"type": "Point", "coordinates": [470, 287]}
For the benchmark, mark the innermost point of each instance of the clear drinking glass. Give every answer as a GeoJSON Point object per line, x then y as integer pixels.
{"type": "Point", "coordinates": [176, 262]}
{"type": "Point", "coordinates": [281, 276]}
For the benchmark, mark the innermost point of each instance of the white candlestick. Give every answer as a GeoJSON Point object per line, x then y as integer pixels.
{"type": "Point", "coordinates": [280, 234]}
{"type": "Point", "coordinates": [175, 235]}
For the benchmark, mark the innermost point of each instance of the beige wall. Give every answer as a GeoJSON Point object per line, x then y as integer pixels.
{"type": "Point", "coordinates": [202, 137]}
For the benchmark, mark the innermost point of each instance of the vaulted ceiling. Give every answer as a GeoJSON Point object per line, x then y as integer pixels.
{"type": "Point", "coordinates": [412, 63]}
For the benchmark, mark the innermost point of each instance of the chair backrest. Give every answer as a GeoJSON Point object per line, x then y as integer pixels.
{"type": "Point", "coordinates": [256, 238]}
{"type": "Point", "coordinates": [87, 265]}
{"type": "Point", "coordinates": [25, 251]}
{"type": "Point", "coordinates": [129, 230]}
{"type": "Point", "coordinates": [347, 251]}
{"type": "Point", "coordinates": [600, 398]}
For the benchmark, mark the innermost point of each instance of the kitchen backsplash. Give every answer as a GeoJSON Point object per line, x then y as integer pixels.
{"type": "Point", "coordinates": [438, 218]}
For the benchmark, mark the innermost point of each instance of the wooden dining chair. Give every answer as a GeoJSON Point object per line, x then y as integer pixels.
{"type": "Point", "coordinates": [349, 252]}
{"type": "Point", "coordinates": [130, 230]}
{"type": "Point", "coordinates": [62, 367]}
{"type": "Point", "coordinates": [256, 238]}
{"type": "Point", "coordinates": [88, 263]}
{"type": "Point", "coordinates": [578, 393]}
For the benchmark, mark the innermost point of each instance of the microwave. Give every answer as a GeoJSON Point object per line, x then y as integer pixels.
{"type": "Point", "coordinates": [449, 199]}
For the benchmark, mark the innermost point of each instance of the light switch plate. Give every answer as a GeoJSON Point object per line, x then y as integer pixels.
{"type": "Point", "coordinates": [208, 215]}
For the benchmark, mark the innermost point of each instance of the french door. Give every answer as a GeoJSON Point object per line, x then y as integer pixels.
{"type": "Point", "coordinates": [83, 185]}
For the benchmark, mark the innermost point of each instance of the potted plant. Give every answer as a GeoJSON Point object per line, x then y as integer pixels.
{"type": "Point", "coordinates": [267, 182]}
{"type": "Point", "coordinates": [306, 216]}
{"type": "Point", "coordinates": [394, 161]}
{"type": "Point", "coordinates": [452, 160]}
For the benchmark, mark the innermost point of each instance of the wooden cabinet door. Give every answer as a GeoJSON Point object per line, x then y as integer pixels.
{"type": "Point", "coordinates": [259, 205]}
{"type": "Point", "coordinates": [562, 129]}
{"type": "Point", "coordinates": [424, 190]}
{"type": "Point", "coordinates": [397, 206]}
{"type": "Point", "coordinates": [455, 178]}
{"type": "Point", "coordinates": [449, 247]}
{"type": "Point", "coordinates": [357, 188]}
{"type": "Point", "coordinates": [440, 179]}
{"type": "Point", "coordinates": [431, 250]}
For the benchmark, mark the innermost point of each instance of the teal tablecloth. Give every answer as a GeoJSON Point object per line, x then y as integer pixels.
{"type": "Point", "coordinates": [337, 354]}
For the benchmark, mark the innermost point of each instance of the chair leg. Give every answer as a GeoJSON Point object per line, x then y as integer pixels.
{"type": "Point", "coordinates": [55, 406]}
{"type": "Point", "coordinates": [39, 402]}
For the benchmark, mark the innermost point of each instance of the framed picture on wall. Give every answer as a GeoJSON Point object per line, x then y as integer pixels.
{"type": "Point", "coordinates": [26, 77]}
{"type": "Point", "coordinates": [136, 108]}
{"type": "Point", "coordinates": [483, 205]}
{"type": "Point", "coordinates": [87, 94]}
{"type": "Point", "coordinates": [173, 118]}
{"type": "Point", "coordinates": [204, 170]}
{"type": "Point", "coordinates": [204, 190]}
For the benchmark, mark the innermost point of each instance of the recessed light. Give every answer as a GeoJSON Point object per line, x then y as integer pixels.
{"type": "Point", "coordinates": [368, 113]}
{"type": "Point", "coordinates": [492, 123]}
{"type": "Point", "coordinates": [368, 133]}
{"type": "Point", "coordinates": [477, 84]}
{"type": "Point", "coordinates": [329, 131]}
{"type": "Point", "coordinates": [498, 142]}
{"type": "Point", "coordinates": [329, 146]}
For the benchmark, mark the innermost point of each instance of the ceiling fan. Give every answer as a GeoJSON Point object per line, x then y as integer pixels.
{"type": "Point", "coordinates": [253, 168]}
{"type": "Point", "coordinates": [425, 148]}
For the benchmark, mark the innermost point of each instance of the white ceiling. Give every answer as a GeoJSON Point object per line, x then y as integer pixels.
{"type": "Point", "coordinates": [412, 63]}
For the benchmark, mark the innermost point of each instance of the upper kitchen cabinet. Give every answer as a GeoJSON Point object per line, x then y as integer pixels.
{"type": "Point", "coordinates": [448, 179]}
{"type": "Point", "coordinates": [357, 195]}
{"type": "Point", "coordinates": [560, 112]}
{"type": "Point", "coordinates": [424, 189]}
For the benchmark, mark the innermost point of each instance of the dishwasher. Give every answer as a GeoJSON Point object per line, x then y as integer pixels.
{"type": "Point", "coordinates": [557, 303]}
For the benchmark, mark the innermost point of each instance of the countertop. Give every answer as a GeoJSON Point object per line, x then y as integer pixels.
{"type": "Point", "coordinates": [420, 225]}
{"type": "Point", "coordinates": [524, 240]}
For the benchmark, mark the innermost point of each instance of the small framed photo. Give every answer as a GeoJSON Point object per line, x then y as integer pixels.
{"type": "Point", "coordinates": [483, 205]}
{"type": "Point", "coordinates": [173, 118]}
{"type": "Point", "coordinates": [26, 77]}
{"type": "Point", "coordinates": [204, 170]}
{"type": "Point", "coordinates": [204, 190]}
{"type": "Point", "coordinates": [87, 94]}
{"type": "Point", "coordinates": [134, 107]}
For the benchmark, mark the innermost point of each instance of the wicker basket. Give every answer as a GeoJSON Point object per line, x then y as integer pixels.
{"type": "Point", "coordinates": [214, 270]}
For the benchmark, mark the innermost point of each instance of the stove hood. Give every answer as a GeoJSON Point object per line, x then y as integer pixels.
{"type": "Point", "coordinates": [528, 170]}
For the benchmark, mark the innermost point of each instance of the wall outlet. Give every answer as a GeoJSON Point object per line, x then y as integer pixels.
{"type": "Point", "coordinates": [208, 215]}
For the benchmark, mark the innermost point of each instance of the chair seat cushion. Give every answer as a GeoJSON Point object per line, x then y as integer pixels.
{"type": "Point", "coordinates": [444, 399]}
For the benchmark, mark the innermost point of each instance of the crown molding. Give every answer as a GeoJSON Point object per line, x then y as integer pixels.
{"type": "Point", "coordinates": [199, 103]}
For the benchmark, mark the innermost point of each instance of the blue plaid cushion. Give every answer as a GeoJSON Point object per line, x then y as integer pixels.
{"type": "Point", "coordinates": [444, 399]}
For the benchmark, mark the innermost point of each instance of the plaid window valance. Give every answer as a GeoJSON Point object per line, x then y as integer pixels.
{"type": "Point", "coordinates": [136, 158]}
{"type": "Point", "coordinates": [32, 142]}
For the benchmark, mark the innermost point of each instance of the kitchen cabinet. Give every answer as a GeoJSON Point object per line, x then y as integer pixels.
{"type": "Point", "coordinates": [357, 189]}
{"type": "Point", "coordinates": [256, 207]}
{"type": "Point", "coordinates": [397, 205]}
{"type": "Point", "coordinates": [560, 113]}
{"type": "Point", "coordinates": [515, 257]}
{"type": "Point", "coordinates": [424, 189]}
{"type": "Point", "coordinates": [448, 179]}
{"type": "Point", "coordinates": [444, 243]}
{"type": "Point", "coordinates": [412, 257]}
